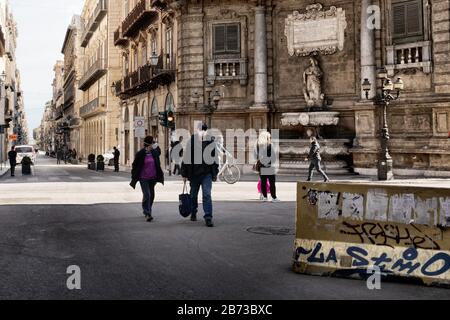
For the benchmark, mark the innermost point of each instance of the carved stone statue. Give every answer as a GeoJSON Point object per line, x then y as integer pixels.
{"type": "Point", "coordinates": [312, 85]}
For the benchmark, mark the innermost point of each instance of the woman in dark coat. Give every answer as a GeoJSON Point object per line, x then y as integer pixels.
{"type": "Point", "coordinates": [147, 171]}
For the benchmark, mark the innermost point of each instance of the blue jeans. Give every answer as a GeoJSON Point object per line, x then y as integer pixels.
{"type": "Point", "coordinates": [148, 191]}
{"type": "Point", "coordinates": [205, 182]}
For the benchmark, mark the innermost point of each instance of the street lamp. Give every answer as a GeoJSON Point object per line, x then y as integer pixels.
{"type": "Point", "coordinates": [211, 106]}
{"type": "Point", "coordinates": [154, 59]}
{"type": "Point", "coordinates": [390, 91]}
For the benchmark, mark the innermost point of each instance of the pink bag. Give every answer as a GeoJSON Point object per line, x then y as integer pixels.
{"type": "Point", "coordinates": [259, 186]}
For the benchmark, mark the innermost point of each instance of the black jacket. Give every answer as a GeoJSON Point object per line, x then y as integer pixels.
{"type": "Point", "coordinates": [190, 169]}
{"type": "Point", "coordinates": [314, 153]}
{"type": "Point", "coordinates": [12, 155]}
{"type": "Point", "coordinates": [116, 154]}
{"type": "Point", "coordinates": [138, 164]}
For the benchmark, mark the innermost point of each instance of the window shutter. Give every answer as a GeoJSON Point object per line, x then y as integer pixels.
{"type": "Point", "coordinates": [399, 20]}
{"type": "Point", "coordinates": [219, 39]}
{"type": "Point", "coordinates": [414, 19]}
{"type": "Point", "coordinates": [233, 44]}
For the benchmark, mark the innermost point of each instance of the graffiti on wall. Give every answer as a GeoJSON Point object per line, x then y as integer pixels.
{"type": "Point", "coordinates": [359, 257]}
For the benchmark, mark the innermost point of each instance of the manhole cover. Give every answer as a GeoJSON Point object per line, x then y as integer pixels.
{"type": "Point", "coordinates": [272, 231]}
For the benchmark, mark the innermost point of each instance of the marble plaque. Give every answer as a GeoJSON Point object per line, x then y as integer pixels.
{"type": "Point", "coordinates": [315, 30]}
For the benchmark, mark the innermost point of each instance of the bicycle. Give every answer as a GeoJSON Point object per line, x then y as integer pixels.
{"type": "Point", "coordinates": [228, 172]}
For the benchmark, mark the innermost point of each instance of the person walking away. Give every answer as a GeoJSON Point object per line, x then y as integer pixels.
{"type": "Point", "coordinates": [265, 156]}
{"type": "Point", "coordinates": [74, 154]}
{"type": "Point", "coordinates": [12, 156]}
{"type": "Point", "coordinates": [177, 156]}
{"type": "Point", "coordinates": [316, 159]}
{"type": "Point", "coordinates": [201, 167]}
{"type": "Point", "coordinates": [147, 171]}
{"type": "Point", "coordinates": [116, 159]}
{"type": "Point", "coordinates": [59, 156]}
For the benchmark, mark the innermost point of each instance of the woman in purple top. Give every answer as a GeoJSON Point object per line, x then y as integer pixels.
{"type": "Point", "coordinates": [147, 171]}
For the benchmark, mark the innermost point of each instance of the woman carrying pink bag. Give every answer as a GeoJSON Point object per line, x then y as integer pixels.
{"type": "Point", "coordinates": [261, 196]}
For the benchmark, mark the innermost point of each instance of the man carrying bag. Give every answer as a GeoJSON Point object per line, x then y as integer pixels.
{"type": "Point", "coordinates": [185, 203]}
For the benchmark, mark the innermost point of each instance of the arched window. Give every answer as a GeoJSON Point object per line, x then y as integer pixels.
{"type": "Point", "coordinates": [169, 102]}
{"type": "Point", "coordinates": [136, 111]}
{"type": "Point", "coordinates": [155, 108]}
{"type": "Point", "coordinates": [127, 115]}
{"type": "Point", "coordinates": [143, 108]}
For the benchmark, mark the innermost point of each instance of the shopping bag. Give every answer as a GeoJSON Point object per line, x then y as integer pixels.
{"type": "Point", "coordinates": [185, 203]}
{"type": "Point", "coordinates": [259, 186]}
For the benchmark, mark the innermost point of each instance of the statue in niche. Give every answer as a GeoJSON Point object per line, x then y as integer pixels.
{"type": "Point", "coordinates": [312, 86]}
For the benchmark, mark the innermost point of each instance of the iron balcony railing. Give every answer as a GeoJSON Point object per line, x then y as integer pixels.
{"type": "Point", "coordinates": [92, 74]}
{"type": "Point", "coordinates": [141, 16]}
{"type": "Point", "coordinates": [119, 39]}
{"type": "Point", "coordinates": [96, 106]}
{"type": "Point", "coordinates": [97, 16]}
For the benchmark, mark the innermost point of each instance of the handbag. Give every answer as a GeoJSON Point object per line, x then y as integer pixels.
{"type": "Point", "coordinates": [257, 166]}
{"type": "Point", "coordinates": [185, 203]}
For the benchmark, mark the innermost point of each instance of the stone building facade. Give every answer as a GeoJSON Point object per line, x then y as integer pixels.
{"type": "Point", "coordinates": [69, 128]}
{"type": "Point", "coordinates": [146, 32]}
{"type": "Point", "coordinates": [257, 54]}
{"type": "Point", "coordinates": [100, 64]}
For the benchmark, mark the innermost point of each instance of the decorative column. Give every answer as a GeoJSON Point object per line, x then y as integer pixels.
{"type": "Point", "coordinates": [260, 58]}
{"type": "Point", "coordinates": [368, 64]}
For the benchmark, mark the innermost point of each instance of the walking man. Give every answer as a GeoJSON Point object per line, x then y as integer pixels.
{"type": "Point", "coordinates": [201, 168]}
{"type": "Point", "coordinates": [59, 156]}
{"type": "Point", "coordinates": [316, 159]}
{"type": "Point", "coordinates": [177, 156]}
{"type": "Point", "coordinates": [12, 156]}
{"type": "Point", "coordinates": [116, 159]}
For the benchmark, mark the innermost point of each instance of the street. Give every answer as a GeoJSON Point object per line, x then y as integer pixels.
{"type": "Point", "coordinates": [66, 215]}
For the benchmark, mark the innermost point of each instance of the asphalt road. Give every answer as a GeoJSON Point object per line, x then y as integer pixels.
{"type": "Point", "coordinates": [123, 257]}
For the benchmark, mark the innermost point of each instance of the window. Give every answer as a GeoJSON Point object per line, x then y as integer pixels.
{"type": "Point", "coordinates": [169, 48]}
{"type": "Point", "coordinates": [144, 54]}
{"type": "Point", "coordinates": [227, 39]}
{"type": "Point", "coordinates": [169, 102]}
{"type": "Point", "coordinates": [407, 21]}
{"type": "Point", "coordinates": [155, 109]}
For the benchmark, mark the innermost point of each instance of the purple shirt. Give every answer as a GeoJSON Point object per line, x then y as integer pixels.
{"type": "Point", "coordinates": [149, 169]}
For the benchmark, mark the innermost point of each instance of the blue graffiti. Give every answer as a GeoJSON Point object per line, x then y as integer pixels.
{"type": "Point", "coordinates": [437, 265]}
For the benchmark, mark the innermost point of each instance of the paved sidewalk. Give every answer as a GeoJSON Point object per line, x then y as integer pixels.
{"type": "Point", "coordinates": [4, 168]}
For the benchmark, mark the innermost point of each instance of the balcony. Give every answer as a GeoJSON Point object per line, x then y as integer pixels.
{"type": "Point", "coordinates": [140, 17]}
{"type": "Point", "coordinates": [94, 107]}
{"type": "Point", "coordinates": [97, 16]}
{"type": "Point", "coordinates": [136, 82]}
{"type": "Point", "coordinates": [119, 39]}
{"type": "Point", "coordinates": [227, 70]}
{"type": "Point", "coordinates": [416, 55]}
{"type": "Point", "coordinates": [93, 73]}
{"type": "Point", "coordinates": [2, 42]}
{"type": "Point", "coordinates": [69, 94]}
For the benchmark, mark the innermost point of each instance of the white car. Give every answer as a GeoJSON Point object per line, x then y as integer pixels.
{"type": "Point", "coordinates": [25, 151]}
{"type": "Point", "coordinates": [109, 158]}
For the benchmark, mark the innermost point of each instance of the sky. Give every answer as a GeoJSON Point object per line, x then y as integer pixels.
{"type": "Point", "coordinates": [42, 26]}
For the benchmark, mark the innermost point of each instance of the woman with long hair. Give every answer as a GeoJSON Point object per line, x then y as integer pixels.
{"type": "Point", "coordinates": [265, 155]}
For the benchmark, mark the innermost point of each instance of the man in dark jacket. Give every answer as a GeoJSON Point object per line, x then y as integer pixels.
{"type": "Point", "coordinates": [116, 159]}
{"type": "Point", "coordinates": [201, 167]}
{"type": "Point", "coordinates": [147, 170]}
{"type": "Point", "coordinates": [316, 159]}
{"type": "Point", "coordinates": [12, 156]}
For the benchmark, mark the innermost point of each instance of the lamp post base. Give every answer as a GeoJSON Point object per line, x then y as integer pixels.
{"type": "Point", "coordinates": [385, 170]}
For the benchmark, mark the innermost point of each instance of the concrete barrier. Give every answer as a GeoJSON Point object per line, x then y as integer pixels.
{"type": "Point", "coordinates": [344, 229]}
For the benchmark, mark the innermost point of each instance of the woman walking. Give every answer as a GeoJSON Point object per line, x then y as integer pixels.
{"type": "Point", "coordinates": [264, 154]}
{"type": "Point", "coordinates": [147, 171]}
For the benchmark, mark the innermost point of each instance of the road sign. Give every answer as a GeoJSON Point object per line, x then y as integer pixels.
{"type": "Point", "coordinates": [13, 137]}
{"type": "Point", "coordinates": [139, 127]}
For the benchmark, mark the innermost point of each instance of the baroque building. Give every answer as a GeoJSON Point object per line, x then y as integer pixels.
{"type": "Point", "coordinates": [100, 64]}
{"type": "Point", "coordinates": [274, 61]}
{"type": "Point", "coordinates": [147, 35]}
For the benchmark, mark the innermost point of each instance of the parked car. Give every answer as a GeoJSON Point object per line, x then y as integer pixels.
{"type": "Point", "coordinates": [25, 151]}
{"type": "Point", "coordinates": [109, 158]}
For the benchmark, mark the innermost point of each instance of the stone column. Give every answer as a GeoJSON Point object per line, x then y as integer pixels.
{"type": "Point", "coordinates": [368, 64]}
{"type": "Point", "coordinates": [260, 58]}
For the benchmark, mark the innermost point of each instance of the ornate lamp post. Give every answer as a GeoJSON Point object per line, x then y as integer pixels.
{"type": "Point", "coordinates": [211, 106]}
{"type": "Point", "coordinates": [390, 91]}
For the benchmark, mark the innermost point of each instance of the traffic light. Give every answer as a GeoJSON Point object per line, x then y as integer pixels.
{"type": "Point", "coordinates": [163, 121]}
{"type": "Point", "coordinates": [170, 120]}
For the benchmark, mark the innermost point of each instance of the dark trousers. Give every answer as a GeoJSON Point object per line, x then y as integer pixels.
{"type": "Point", "coordinates": [148, 191]}
{"type": "Point", "coordinates": [13, 168]}
{"type": "Point", "coordinates": [116, 165]}
{"type": "Point", "coordinates": [316, 164]}
{"type": "Point", "coordinates": [177, 170]}
{"type": "Point", "coordinates": [273, 188]}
